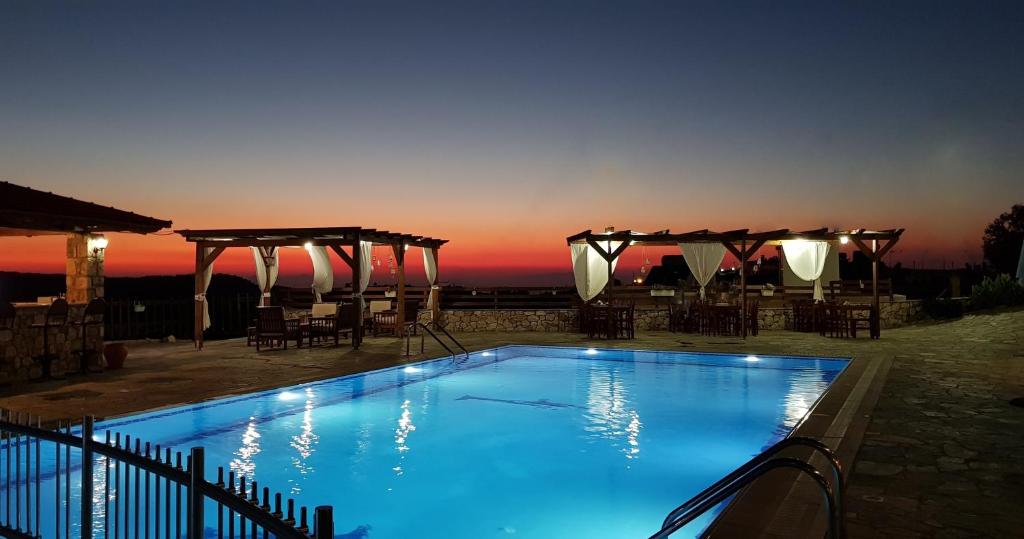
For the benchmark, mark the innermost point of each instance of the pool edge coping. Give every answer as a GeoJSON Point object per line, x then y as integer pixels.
{"type": "Point", "coordinates": [792, 506]}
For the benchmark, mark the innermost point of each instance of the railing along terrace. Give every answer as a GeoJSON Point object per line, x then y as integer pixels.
{"type": "Point", "coordinates": [123, 487]}
{"type": "Point", "coordinates": [141, 318]}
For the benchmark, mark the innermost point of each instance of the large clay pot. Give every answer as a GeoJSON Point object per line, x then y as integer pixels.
{"type": "Point", "coordinates": [115, 353]}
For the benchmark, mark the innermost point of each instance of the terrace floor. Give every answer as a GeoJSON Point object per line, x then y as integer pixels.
{"type": "Point", "coordinates": [940, 456]}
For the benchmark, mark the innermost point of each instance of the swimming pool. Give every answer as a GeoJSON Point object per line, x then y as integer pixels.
{"type": "Point", "coordinates": [518, 441]}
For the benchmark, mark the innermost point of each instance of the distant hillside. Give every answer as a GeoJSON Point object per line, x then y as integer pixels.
{"type": "Point", "coordinates": [28, 286]}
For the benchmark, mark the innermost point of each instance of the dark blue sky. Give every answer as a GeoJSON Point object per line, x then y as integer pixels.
{"type": "Point", "coordinates": [543, 117]}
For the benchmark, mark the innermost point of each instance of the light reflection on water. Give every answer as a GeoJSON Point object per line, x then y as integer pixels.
{"type": "Point", "coordinates": [304, 444]}
{"type": "Point", "coordinates": [405, 427]}
{"type": "Point", "coordinates": [803, 392]}
{"type": "Point", "coordinates": [244, 463]}
{"type": "Point", "coordinates": [610, 415]}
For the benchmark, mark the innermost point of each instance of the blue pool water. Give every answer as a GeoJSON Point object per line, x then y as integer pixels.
{"type": "Point", "coordinates": [514, 442]}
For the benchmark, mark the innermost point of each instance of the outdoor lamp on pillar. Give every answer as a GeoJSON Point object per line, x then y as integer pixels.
{"type": "Point", "coordinates": [97, 245]}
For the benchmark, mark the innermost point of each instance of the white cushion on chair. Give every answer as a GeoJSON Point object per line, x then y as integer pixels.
{"type": "Point", "coordinates": [377, 306]}
{"type": "Point", "coordinates": [325, 309]}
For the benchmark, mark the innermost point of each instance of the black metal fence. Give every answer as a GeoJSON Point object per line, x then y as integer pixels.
{"type": "Point", "coordinates": [132, 318]}
{"type": "Point", "coordinates": [127, 488]}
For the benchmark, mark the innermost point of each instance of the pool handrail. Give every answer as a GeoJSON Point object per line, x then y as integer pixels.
{"type": "Point", "coordinates": [741, 473]}
{"type": "Point", "coordinates": [763, 467]}
{"type": "Point", "coordinates": [454, 340]}
{"type": "Point", "coordinates": [434, 336]}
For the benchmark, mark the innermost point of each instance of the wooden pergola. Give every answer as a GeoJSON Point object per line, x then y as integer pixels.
{"type": "Point", "coordinates": [268, 240]}
{"type": "Point", "coordinates": [742, 244]}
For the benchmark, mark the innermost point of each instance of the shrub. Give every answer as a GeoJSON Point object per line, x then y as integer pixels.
{"type": "Point", "coordinates": [943, 309]}
{"type": "Point", "coordinates": [996, 291]}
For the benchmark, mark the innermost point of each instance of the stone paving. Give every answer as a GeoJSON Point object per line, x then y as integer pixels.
{"type": "Point", "coordinates": [942, 455]}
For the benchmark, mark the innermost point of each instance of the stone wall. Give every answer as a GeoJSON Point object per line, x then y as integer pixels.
{"type": "Point", "coordinates": [20, 345]}
{"type": "Point", "coordinates": [893, 314]}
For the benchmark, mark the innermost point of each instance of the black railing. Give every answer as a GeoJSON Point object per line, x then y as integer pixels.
{"type": "Point", "coordinates": [147, 491]}
{"type": "Point", "coordinates": [133, 318]}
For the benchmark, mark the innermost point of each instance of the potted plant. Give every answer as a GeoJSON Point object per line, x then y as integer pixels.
{"type": "Point", "coordinates": [115, 353]}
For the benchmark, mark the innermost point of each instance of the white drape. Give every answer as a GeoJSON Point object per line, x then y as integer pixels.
{"type": "Point", "coordinates": [323, 273]}
{"type": "Point", "coordinates": [807, 260]}
{"type": "Point", "coordinates": [266, 276]}
{"type": "Point", "coordinates": [365, 268]}
{"type": "Point", "coordinates": [430, 268]}
{"type": "Point", "coordinates": [590, 269]}
{"type": "Point", "coordinates": [207, 277]}
{"type": "Point", "coordinates": [703, 259]}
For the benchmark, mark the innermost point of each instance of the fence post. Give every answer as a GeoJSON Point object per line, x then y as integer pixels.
{"type": "Point", "coordinates": [195, 496]}
{"type": "Point", "coordinates": [324, 518]}
{"type": "Point", "coordinates": [87, 428]}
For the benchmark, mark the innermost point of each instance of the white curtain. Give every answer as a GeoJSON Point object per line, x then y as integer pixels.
{"type": "Point", "coordinates": [365, 268]}
{"type": "Point", "coordinates": [207, 277]}
{"type": "Point", "coordinates": [266, 276]}
{"type": "Point", "coordinates": [703, 259]}
{"type": "Point", "coordinates": [323, 273]}
{"type": "Point", "coordinates": [590, 269]}
{"type": "Point", "coordinates": [807, 260]}
{"type": "Point", "coordinates": [430, 268]}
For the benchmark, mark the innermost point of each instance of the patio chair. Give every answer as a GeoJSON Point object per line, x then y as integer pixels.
{"type": "Point", "coordinates": [328, 321]}
{"type": "Point", "coordinates": [376, 307]}
{"type": "Point", "coordinates": [752, 317]}
{"type": "Point", "coordinates": [8, 314]}
{"type": "Point", "coordinates": [835, 321]}
{"type": "Point", "coordinates": [273, 329]}
{"type": "Point", "coordinates": [92, 317]}
{"type": "Point", "coordinates": [8, 318]}
{"type": "Point", "coordinates": [55, 320]}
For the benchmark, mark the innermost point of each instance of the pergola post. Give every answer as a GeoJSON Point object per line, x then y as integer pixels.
{"type": "Point", "coordinates": [435, 290]}
{"type": "Point", "coordinates": [876, 322]}
{"type": "Point", "coordinates": [268, 258]}
{"type": "Point", "coordinates": [356, 262]}
{"type": "Point", "coordinates": [743, 288]}
{"type": "Point", "coordinates": [200, 297]}
{"type": "Point", "coordinates": [399, 249]}
{"type": "Point", "coordinates": [202, 262]}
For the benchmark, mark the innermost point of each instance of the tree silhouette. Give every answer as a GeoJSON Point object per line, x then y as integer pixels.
{"type": "Point", "coordinates": [1001, 243]}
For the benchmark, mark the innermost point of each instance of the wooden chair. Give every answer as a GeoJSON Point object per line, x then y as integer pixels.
{"type": "Point", "coordinates": [8, 318]}
{"type": "Point", "coordinates": [836, 320]}
{"type": "Point", "coordinates": [92, 316]}
{"type": "Point", "coordinates": [627, 322]}
{"type": "Point", "coordinates": [273, 329]}
{"type": "Point", "coordinates": [377, 306]}
{"type": "Point", "coordinates": [752, 317]}
{"type": "Point", "coordinates": [8, 315]}
{"type": "Point", "coordinates": [55, 319]}
{"type": "Point", "coordinates": [676, 317]}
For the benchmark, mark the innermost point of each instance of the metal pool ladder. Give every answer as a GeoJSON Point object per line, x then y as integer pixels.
{"type": "Point", "coordinates": [755, 468]}
{"type": "Point", "coordinates": [427, 331]}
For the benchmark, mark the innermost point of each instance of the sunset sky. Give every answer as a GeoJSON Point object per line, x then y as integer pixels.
{"type": "Point", "coordinates": [506, 126]}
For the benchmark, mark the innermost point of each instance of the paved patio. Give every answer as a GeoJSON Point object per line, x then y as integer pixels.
{"type": "Point", "coordinates": [941, 456]}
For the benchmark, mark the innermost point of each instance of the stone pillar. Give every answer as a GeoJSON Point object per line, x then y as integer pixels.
{"type": "Point", "coordinates": [84, 269]}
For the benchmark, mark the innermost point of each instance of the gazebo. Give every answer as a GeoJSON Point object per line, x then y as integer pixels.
{"type": "Point", "coordinates": [266, 243]}
{"type": "Point", "coordinates": [29, 212]}
{"type": "Point", "coordinates": [594, 255]}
